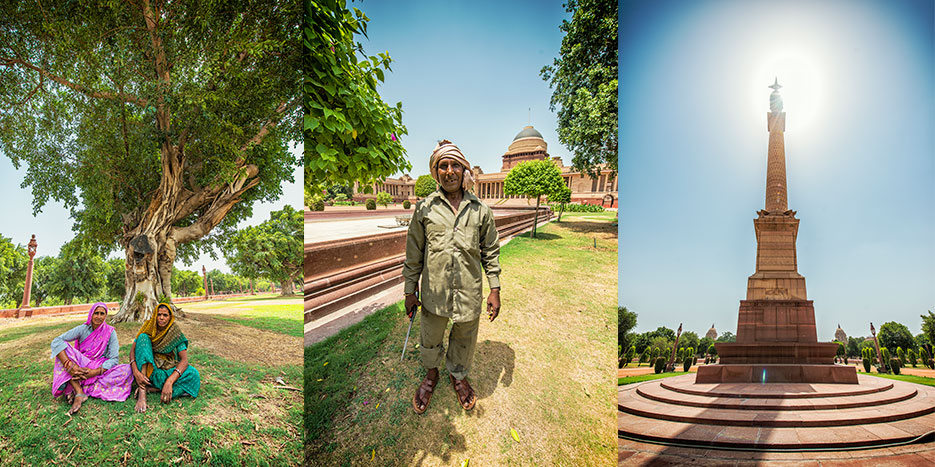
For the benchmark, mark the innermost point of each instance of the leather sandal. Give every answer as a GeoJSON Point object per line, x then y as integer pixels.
{"type": "Point", "coordinates": [462, 383]}
{"type": "Point", "coordinates": [427, 387]}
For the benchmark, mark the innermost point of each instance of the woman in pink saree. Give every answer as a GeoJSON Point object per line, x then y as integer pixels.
{"type": "Point", "coordinates": [88, 367]}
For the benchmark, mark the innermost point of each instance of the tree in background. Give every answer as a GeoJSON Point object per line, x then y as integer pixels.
{"type": "Point", "coordinates": [79, 273]}
{"type": "Point", "coordinates": [272, 249]}
{"type": "Point", "coordinates": [350, 133]}
{"type": "Point", "coordinates": [157, 124]}
{"type": "Point", "coordinates": [384, 198]}
{"type": "Point", "coordinates": [561, 196]}
{"type": "Point", "coordinates": [13, 261]}
{"type": "Point", "coordinates": [425, 185]}
{"type": "Point", "coordinates": [626, 321]}
{"type": "Point", "coordinates": [893, 335]}
{"type": "Point", "coordinates": [727, 336]}
{"type": "Point", "coordinates": [115, 272]}
{"type": "Point", "coordinates": [186, 283]}
{"type": "Point", "coordinates": [585, 81]}
{"type": "Point", "coordinates": [335, 190]}
{"type": "Point", "coordinates": [534, 178]}
{"type": "Point", "coordinates": [853, 346]}
{"type": "Point", "coordinates": [928, 326]}
{"type": "Point", "coordinates": [704, 343]}
{"type": "Point", "coordinates": [43, 269]}
{"type": "Point", "coordinates": [689, 339]}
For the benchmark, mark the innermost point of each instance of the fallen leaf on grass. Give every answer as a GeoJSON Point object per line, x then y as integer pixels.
{"type": "Point", "coordinates": [387, 389]}
{"type": "Point", "coordinates": [325, 364]}
{"type": "Point", "coordinates": [320, 380]}
{"type": "Point", "coordinates": [378, 405]}
{"type": "Point", "coordinates": [465, 462]}
{"type": "Point", "coordinates": [373, 453]}
{"type": "Point", "coordinates": [514, 434]}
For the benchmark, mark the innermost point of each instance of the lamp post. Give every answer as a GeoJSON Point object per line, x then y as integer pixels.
{"type": "Point", "coordinates": [24, 309]}
{"type": "Point", "coordinates": [876, 342]}
{"type": "Point", "coordinates": [671, 365]}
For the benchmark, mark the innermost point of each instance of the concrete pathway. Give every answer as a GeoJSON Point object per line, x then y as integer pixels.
{"type": "Point", "coordinates": [342, 229]}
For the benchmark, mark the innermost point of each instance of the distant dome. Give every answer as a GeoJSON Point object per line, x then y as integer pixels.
{"type": "Point", "coordinates": [840, 336]}
{"type": "Point", "coordinates": [528, 132]}
{"type": "Point", "coordinates": [712, 333]}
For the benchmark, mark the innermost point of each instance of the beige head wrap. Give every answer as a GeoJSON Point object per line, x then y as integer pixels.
{"type": "Point", "coordinates": [444, 149]}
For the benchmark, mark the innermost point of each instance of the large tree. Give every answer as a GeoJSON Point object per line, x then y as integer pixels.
{"type": "Point", "coordinates": [928, 326]}
{"type": "Point", "coordinates": [626, 321]}
{"type": "Point", "coordinates": [272, 249]}
{"type": "Point", "coordinates": [79, 272]}
{"type": "Point", "coordinates": [534, 179]}
{"type": "Point", "coordinates": [156, 123]}
{"type": "Point", "coordinates": [893, 335]}
{"type": "Point", "coordinates": [351, 135]}
{"type": "Point", "coordinates": [13, 261]}
{"type": "Point", "coordinates": [585, 81]}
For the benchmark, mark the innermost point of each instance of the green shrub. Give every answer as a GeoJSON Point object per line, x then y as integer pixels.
{"type": "Point", "coordinates": [371, 204]}
{"type": "Point", "coordinates": [660, 365]}
{"type": "Point", "coordinates": [901, 355]}
{"type": "Point", "coordinates": [866, 362]}
{"type": "Point", "coordinates": [576, 207]}
{"type": "Point", "coordinates": [687, 363]}
{"type": "Point", "coordinates": [318, 205]}
{"type": "Point", "coordinates": [406, 204]}
{"type": "Point", "coordinates": [628, 357]}
{"type": "Point", "coordinates": [913, 359]}
{"type": "Point", "coordinates": [340, 197]}
{"type": "Point", "coordinates": [712, 350]}
{"type": "Point", "coordinates": [894, 365]}
{"type": "Point", "coordinates": [384, 198]}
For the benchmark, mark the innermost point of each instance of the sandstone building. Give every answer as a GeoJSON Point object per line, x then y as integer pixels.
{"type": "Point", "coordinates": [527, 145]}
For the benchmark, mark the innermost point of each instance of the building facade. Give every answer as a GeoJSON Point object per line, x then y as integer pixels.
{"type": "Point", "coordinates": [527, 145]}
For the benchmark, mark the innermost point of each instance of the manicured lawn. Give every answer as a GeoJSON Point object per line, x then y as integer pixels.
{"type": "Point", "coordinates": [239, 417]}
{"type": "Point", "coordinates": [908, 378]}
{"type": "Point", "coordinates": [649, 377]}
{"type": "Point", "coordinates": [543, 368]}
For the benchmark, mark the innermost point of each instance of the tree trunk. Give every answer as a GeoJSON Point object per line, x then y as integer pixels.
{"type": "Point", "coordinates": [560, 211]}
{"type": "Point", "coordinates": [536, 221]}
{"type": "Point", "coordinates": [148, 276]}
{"type": "Point", "coordinates": [286, 286]}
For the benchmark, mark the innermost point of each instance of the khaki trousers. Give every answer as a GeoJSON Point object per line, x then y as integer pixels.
{"type": "Point", "coordinates": [461, 342]}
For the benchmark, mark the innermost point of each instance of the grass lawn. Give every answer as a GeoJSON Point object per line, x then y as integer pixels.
{"type": "Point", "coordinates": [239, 418]}
{"type": "Point", "coordinates": [649, 377]}
{"type": "Point", "coordinates": [544, 368]}
{"type": "Point", "coordinates": [907, 378]}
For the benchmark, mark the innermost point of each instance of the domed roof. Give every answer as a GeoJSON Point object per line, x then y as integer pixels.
{"type": "Point", "coordinates": [528, 132]}
{"type": "Point", "coordinates": [840, 335]}
{"type": "Point", "coordinates": [712, 333]}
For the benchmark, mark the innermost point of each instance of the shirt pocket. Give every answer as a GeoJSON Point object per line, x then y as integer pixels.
{"type": "Point", "coordinates": [436, 237]}
{"type": "Point", "coordinates": [468, 237]}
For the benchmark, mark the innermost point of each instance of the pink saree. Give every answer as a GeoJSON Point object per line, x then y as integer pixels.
{"type": "Point", "coordinates": [113, 385]}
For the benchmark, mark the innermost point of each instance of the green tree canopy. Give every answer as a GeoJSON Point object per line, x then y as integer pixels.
{"type": "Point", "coordinates": [689, 339]}
{"type": "Point", "coordinates": [727, 336]}
{"type": "Point", "coordinates": [928, 326]}
{"type": "Point", "coordinates": [13, 261]}
{"type": "Point", "coordinates": [78, 274]}
{"type": "Point", "coordinates": [157, 124]}
{"type": "Point", "coordinates": [626, 321]}
{"type": "Point", "coordinates": [186, 282]}
{"type": "Point", "coordinates": [425, 185]}
{"type": "Point", "coordinates": [534, 179]}
{"type": "Point", "coordinates": [350, 133]}
{"type": "Point", "coordinates": [384, 198]}
{"type": "Point", "coordinates": [562, 195]}
{"type": "Point", "coordinates": [584, 77]}
{"type": "Point", "coordinates": [43, 269]}
{"type": "Point", "coordinates": [893, 335]}
{"type": "Point", "coordinates": [272, 249]}
{"type": "Point", "coordinates": [115, 273]}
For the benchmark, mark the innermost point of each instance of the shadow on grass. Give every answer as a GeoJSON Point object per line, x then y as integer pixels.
{"type": "Point", "coordinates": [589, 227]}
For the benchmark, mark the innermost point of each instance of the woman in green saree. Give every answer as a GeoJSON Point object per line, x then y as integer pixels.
{"type": "Point", "coordinates": [159, 360]}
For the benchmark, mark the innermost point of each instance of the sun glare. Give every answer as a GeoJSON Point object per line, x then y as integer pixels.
{"type": "Point", "coordinates": [802, 87]}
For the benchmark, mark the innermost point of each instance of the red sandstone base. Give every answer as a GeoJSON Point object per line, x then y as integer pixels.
{"type": "Point", "coordinates": [786, 353]}
{"type": "Point", "coordinates": [776, 373]}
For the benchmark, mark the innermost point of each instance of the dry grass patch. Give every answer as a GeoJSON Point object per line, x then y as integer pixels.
{"type": "Point", "coordinates": [544, 368]}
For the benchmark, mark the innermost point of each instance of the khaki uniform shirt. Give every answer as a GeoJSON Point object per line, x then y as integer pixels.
{"type": "Point", "coordinates": [448, 249]}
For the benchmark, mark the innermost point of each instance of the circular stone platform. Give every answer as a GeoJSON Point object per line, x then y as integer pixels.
{"type": "Point", "coordinates": [776, 416]}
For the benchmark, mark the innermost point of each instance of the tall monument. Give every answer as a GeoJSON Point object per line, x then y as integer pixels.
{"type": "Point", "coordinates": [776, 336]}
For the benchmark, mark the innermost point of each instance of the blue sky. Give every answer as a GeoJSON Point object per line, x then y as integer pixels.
{"type": "Point", "coordinates": [860, 156]}
{"type": "Point", "coordinates": [52, 226]}
{"type": "Point", "coordinates": [467, 72]}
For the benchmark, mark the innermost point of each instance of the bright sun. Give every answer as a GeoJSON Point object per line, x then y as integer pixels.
{"type": "Point", "coordinates": [802, 87]}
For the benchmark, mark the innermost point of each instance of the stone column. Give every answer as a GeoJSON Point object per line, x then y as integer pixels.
{"type": "Point", "coordinates": [24, 306]}
{"type": "Point", "coordinates": [204, 272]}
{"type": "Point", "coordinates": [671, 365]}
{"type": "Point", "coordinates": [776, 195]}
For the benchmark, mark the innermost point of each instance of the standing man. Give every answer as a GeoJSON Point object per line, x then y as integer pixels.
{"type": "Point", "coordinates": [451, 235]}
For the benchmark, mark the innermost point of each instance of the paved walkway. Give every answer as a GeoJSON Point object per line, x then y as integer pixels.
{"type": "Point", "coordinates": [341, 229]}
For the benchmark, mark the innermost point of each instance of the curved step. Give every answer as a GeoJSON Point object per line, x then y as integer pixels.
{"type": "Point", "coordinates": [923, 403]}
{"type": "Point", "coordinates": [766, 438]}
{"type": "Point", "coordinates": [867, 385]}
{"type": "Point", "coordinates": [662, 393]}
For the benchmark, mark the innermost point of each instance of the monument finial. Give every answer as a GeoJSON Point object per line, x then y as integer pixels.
{"type": "Point", "coordinates": [775, 100]}
{"type": "Point", "coordinates": [775, 86]}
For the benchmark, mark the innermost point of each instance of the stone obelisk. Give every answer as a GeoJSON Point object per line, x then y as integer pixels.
{"type": "Point", "coordinates": [776, 336]}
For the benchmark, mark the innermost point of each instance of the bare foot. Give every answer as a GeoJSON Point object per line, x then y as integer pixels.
{"type": "Point", "coordinates": [140, 400]}
{"type": "Point", "coordinates": [79, 399]}
{"type": "Point", "coordinates": [70, 397]}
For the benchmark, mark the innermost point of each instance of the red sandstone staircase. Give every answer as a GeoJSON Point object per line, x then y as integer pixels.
{"type": "Point", "coordinates": [776, 416]}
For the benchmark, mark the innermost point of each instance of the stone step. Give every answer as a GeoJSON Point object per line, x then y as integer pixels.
{"type": "Point", "coordinates": [660, 392]}
{"type": "Point", "coordinates": [775, 438]}
{"type": "Point", "coordinates": [867, 385]}
{"type": "Point", "coordinates": [631, 402]}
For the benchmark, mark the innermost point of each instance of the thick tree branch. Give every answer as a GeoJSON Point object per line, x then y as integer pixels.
{"type": "Point", "coordinates": [118, 96]}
